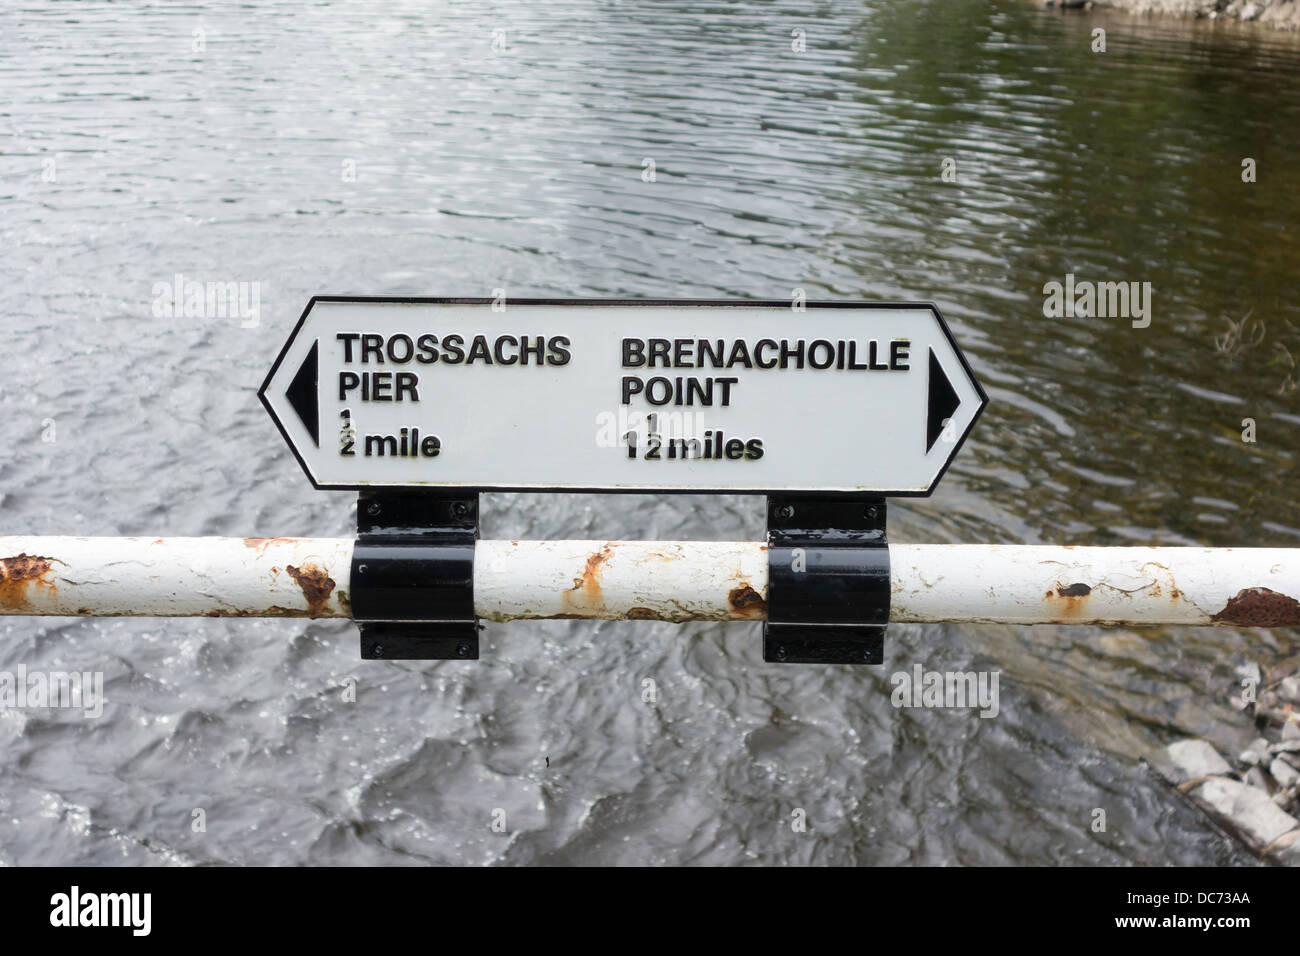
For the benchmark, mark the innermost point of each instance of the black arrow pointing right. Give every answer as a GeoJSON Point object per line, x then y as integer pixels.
{"type": "Point", "coordinates": [943, 402]}
{"type": "Point", "coordinates": [302, 394]}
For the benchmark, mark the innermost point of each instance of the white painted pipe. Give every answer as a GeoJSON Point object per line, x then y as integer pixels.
{"type": "Point", "coordinates": [654, 580]}
{"type": "Point", "coordinates": [617, 580]}
{"type": "Point", "coordinates": [1018, 584]}
{"type": "Point", "coordinates": [175, 577]}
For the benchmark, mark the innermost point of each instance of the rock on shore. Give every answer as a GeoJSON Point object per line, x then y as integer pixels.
{"type": "Point", "coordinates": [1282, 14]}
{"type": "Point", "coordinates": [1258, 802]}
{"type": "Point", "coordinates": [1243, 809]}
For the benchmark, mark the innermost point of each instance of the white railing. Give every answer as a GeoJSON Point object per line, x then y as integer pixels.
{"type": "Point", "coordinates": [653, 580]}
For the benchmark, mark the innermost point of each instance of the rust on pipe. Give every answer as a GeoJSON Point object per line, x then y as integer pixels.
{"type": "Point", "coordinates": [20, 575]}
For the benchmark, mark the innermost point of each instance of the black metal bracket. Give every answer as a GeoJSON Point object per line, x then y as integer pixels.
{"type": "Point", "coordinates": [413, 575]}
{"type": "Point", "coordinates": [828, 580]}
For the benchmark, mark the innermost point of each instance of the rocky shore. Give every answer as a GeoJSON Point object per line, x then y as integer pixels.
{"type": "Point", "coordinates": [1280, 14]}
{"type": "Point", "coordinates": [1256, 798]}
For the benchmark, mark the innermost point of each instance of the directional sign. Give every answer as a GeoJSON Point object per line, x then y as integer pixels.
{"type": "Point", "coordinates": [623, 395]}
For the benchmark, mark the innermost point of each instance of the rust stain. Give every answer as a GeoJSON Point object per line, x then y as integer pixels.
{"type": "Point", "coordinates": [1073, 597]}
{"type": "Point", "coordinates": [317, 586]}
{"type": "Point", "coordinates": [745, 602]}
{"type": "Point", "coordinates": [1260, 607]}
{"type": "Point", "coordinates": [274, 610]}
{"type": "Point", "coordinates": [585, 592]}
{"type": "Point", "coordinates": [641, 614]}
{"type": "Point", "coordinates": [1070, 601]}
{"type": "Point", "coordinates": [261, 544]}
{"type": "Point", "coordinates": [21, 573]}
{"type": "Point", "coordinates": [596, 560]}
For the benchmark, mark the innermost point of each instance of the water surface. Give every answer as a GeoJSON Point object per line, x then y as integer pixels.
{"type": "Point", "coordinates": [521, 168]}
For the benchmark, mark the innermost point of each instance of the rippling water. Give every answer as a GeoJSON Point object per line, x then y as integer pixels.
{"type": "Point", "coordinates": [521, 168]}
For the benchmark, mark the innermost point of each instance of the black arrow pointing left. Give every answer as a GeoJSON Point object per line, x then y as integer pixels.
{"type": "Point", "coordinates": [303, 397]}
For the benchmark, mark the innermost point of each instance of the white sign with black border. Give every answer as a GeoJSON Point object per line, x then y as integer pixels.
{"type": "Point", "coordinates": [721, 396]}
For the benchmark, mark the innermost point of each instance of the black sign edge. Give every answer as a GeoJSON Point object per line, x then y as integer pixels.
{"type": "Point", "coordinates": [266, 384]}
{"type": "Point", "coordinates": [545, 489]}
